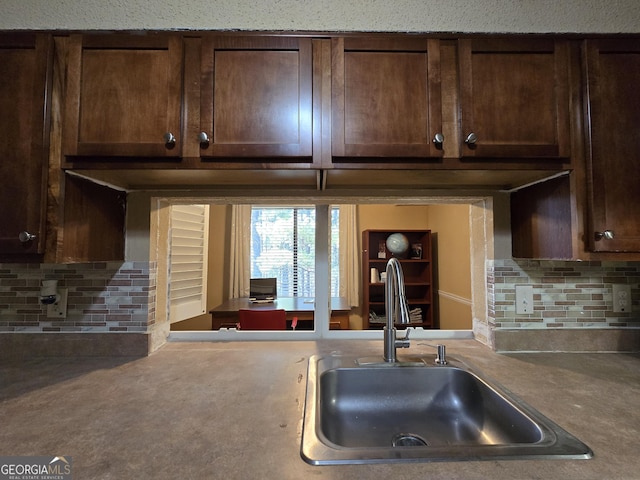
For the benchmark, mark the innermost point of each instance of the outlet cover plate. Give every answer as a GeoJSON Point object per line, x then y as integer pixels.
{"type": "Point", "coordinates": [524, 299]}
{"type": "Point", "coordinates": [621, 298]}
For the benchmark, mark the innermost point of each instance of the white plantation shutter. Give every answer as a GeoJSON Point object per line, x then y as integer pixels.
{"type": "Point", "coordinates": [188, 263]}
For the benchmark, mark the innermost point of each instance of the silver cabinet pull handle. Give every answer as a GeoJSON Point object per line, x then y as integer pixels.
{"type": "Point", "coordinates": [471, 139]}
{"type": "Point", "coordinates": [169, 139]}
{"type": "Point", "coordinates": [606, 235]}
{"type": "Point", "coordinates": [25, 237]}
{"type": "Point", "coordinates": [438, 138]}
{"type": "Point", "coordinates": [203, 138]}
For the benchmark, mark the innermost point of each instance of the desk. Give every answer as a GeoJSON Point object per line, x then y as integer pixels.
{"type": "Point", "coordinates": [225, 315]}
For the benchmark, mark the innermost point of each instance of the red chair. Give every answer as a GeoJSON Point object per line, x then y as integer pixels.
{"type": "Point", "coordinates": [250, 319]}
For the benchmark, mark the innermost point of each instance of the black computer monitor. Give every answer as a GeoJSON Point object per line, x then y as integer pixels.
{"type": "Point", "coordinates": [263, 288]}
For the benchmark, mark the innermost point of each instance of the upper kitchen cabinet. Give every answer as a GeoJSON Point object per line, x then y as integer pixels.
{"type": "Point", "coordinates": [514, 98]}
{"type": "Point", "coordinates": [123, 97]}
{"type": "Point", "coordinates": [613, 116]}
{"type": "Point", "coordinates": [93, 225]}
{"type": "Point", "coordinates": [541, 220]}
{"type": "Point", "coordinates": [386, 99]}
{"type": "Point", "coordinates": [25, 79]}
{"type": "Point", "coordinates": [256, 99]}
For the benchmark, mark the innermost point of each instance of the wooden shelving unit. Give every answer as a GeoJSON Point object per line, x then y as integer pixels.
{"type": "Point", "coordinates": [417, 275]}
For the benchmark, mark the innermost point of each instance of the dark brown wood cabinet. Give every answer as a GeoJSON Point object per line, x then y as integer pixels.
{"type": "Point", "coordinates": [418, 272]}
{"type": "Point", "coordinates": [612, 72]}
{"type": "Point", "coordinates": [93, 226]}
{"type": "Point", "coordinates": [123, 97]}
{"type": "Point", "coordinates": [514, 98]}
{"type": "Point", "coordinates": [160, 101]}
{"type": "Point", "coordinates": [386, 99]}
{"type": "Point", "coordinates": [541, 224]}
{"type": "Point", "coordinates": [256, 98]}
{"type": "Point", "coordinates": [211, 100]}
{"type": "Point", "coordinates": [25, 80]}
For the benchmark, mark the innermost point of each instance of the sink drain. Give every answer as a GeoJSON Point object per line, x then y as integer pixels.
{"type": "Point", "coordinates": [408, 440]}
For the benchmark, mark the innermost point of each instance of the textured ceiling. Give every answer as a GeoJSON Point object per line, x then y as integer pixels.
{"type": "Point", "coordinates": [517, 16]}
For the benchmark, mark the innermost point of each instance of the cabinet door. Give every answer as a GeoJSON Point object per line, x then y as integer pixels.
{"type": "Point", "coordinates": [613, 75]}
{"type": "Point", "coordinates": [386, 99]}
{"type": "Point", "coordinates": [123, 96]}
{"type": "Point", "coordinates": [24, 85]}
{"type": "Point", "coordinates": [256, 98]}
{"type": "Point", "coordinates": [94, 222]}
{"type": "Point", "coordinates": [514, 98]}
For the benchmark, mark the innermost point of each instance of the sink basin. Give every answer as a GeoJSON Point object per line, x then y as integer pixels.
{"type": "Point", "coordinates": [367, 412]}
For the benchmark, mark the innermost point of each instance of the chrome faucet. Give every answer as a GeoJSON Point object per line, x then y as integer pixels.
{"type": "Point", "coordinates": [396, 310]}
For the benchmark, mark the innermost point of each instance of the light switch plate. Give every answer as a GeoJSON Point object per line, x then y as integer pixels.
{"type": "Point", "coordinates": [621, 298]}
{"type": "Point", "coordinates": [524, 299]}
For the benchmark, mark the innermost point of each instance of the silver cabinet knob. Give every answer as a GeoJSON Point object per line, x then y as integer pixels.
{"type": "Point", "coordinates": [606, 235]}
{"type": "Point", "coordinates": [438, 138]}
{"type": "Point", "coordinates": [471, 139]}
{"type": "Point", "coordinates": [204, 140]}
{"type": "Point", "coordinates": [25, 237]}
{"type": "Point", "coordinates": [169, 140]}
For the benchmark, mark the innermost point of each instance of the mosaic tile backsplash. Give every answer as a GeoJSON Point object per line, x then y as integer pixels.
{"type": "Point", "coordinates": [103, 297]}
{"type": "Point", "coordinates": [121, 297]}
{"type": "Point", "coordinates": [565, 294]}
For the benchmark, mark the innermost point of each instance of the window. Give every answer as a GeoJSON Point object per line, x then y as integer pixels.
{"type": "Point", "coordinates": [283, 246]}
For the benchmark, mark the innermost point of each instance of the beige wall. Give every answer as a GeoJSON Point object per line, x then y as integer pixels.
{"type": "Point", "coordinates": [390, 217]}
{"type": "Point", "coordinates": [452, 249]}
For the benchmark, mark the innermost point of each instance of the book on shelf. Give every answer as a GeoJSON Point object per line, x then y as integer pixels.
{"type": "Point", "coordinates": [415, 316]}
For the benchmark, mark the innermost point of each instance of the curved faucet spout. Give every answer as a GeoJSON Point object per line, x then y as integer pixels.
{"type": "Point", "coordinates": [396, 309]}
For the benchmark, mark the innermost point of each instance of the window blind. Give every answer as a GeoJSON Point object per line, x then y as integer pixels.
{"type": "Point", "coordinates": [283, 246]}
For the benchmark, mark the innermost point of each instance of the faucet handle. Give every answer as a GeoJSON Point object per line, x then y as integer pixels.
{"type": "Point", "coordinates": [403, 342]}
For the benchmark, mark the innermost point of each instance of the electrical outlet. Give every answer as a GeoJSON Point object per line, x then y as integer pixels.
{"type": "Point", "coordinates": [621, 298]}
{"type": "Point", "coordinates": [59, 308]}
{"type": "Point", "coordinates": [524, 299]}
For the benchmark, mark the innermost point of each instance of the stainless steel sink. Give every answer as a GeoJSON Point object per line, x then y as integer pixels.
{"type": "Point", "coordinates": [359, 411]}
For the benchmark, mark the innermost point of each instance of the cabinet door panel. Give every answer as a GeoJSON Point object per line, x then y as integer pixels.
{"type": "Point", "coordinates": [123, 96]}
{"type": "Point", "coordinates": [24, 82]}
{"type": "Point", "coordinates": [514, 98]}
{"type": "Point", "coordinates": [94, 222]}
{"type": "Point", "coordinates": [256, 99]}
{"type": "Point", "coordinates": [613, 74]}
{"type": "Point", "coordinates": [386, 98]}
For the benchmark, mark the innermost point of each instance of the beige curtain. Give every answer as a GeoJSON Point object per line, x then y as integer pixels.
{"type": "Point", "coordinates": [240, 251]}
{"type": "Point", "coordinates": [350, 276]}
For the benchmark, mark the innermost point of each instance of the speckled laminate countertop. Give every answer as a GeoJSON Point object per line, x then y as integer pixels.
{"type": "Point", "coordinates": [234, 410]}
